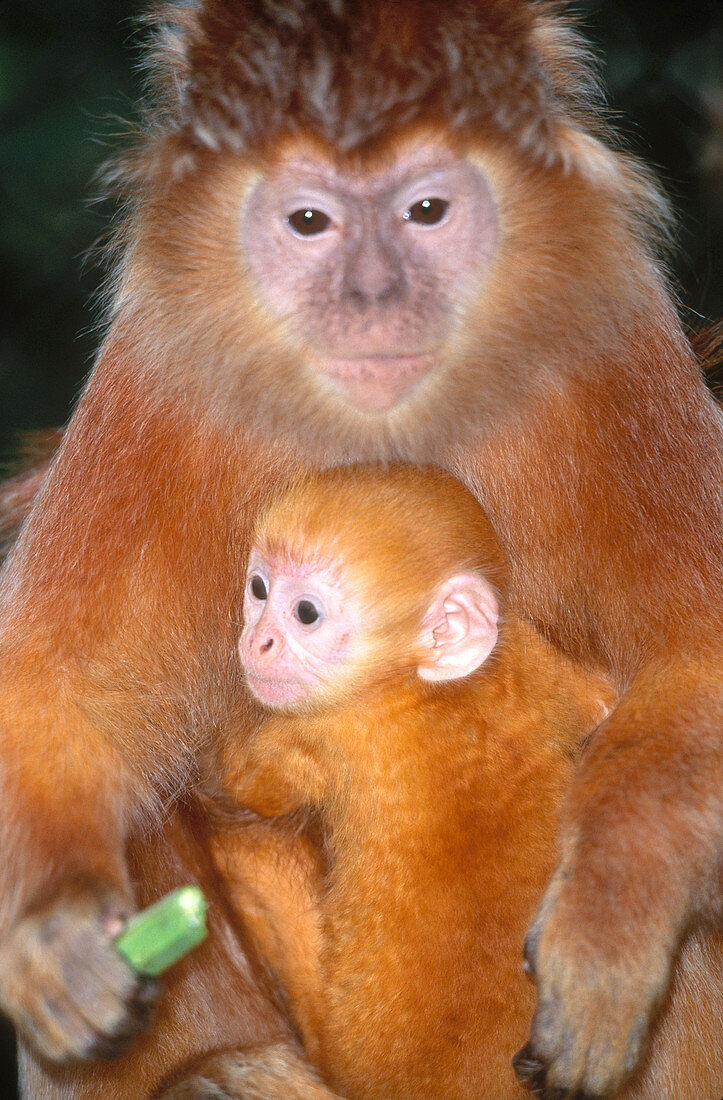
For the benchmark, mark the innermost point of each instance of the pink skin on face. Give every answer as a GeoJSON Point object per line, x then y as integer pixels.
{"type": "Point", "coordinates": [298, 629]}
{"type": "Point", "coordinates": [369, 266]}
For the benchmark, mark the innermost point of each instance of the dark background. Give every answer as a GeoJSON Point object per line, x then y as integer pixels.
{"type": "Point", "coordinates": [68, 84]}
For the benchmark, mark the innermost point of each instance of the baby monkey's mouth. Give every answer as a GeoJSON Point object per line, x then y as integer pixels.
{"type": "Point", "coordinates": [276, 691]}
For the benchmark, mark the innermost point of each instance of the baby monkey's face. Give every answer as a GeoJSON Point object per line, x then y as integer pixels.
{"type": "Point", "coordinates": [302, 625]}
{"type": "Point", "coordinates": [315, 630]}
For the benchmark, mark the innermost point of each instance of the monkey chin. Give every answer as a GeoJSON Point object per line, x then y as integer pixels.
{"type": "Point", "coordinates": [376, 384]}
{"type": "Point", "coordinates": [276, 692]}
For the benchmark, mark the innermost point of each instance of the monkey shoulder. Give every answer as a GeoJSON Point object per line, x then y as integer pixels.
{"type": "Point", "coordinates": [539, 696]}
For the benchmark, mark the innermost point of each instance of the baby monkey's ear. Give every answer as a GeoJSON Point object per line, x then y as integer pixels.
{"type": "Point", "coordinates": [459, 629]}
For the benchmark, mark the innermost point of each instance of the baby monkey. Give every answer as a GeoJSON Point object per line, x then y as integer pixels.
{"type": "Point", "coordinates": [371, 598]}
{"type": "Point", "coordinates": [431, 734]}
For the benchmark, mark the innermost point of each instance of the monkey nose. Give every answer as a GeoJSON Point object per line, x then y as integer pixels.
{"type": "Point", "coordinates": [266, 646]}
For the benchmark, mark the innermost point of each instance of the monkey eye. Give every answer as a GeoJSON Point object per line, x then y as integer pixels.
{"type": "Point", "coordinates": [309, 222]}
{"type": "Point", "coordinates": [258, 587]}
{"type": "Point", "coordinates": [306, 612]}
{"type": "Point", "coordinates": [427, 211]}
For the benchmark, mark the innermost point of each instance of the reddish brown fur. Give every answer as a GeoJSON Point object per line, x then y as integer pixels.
{"type": "Point", "coordinates": [18, 491]}
{"type": "Point", "coordinates": [569, 401]}
{"type": "Point", "coordinates": [37, 449]}
{"type": "Point", "coordinates": [351, 74]}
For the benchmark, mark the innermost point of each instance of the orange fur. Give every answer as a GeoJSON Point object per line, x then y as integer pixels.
{"type": "Point", "coordinates": [438, 811]}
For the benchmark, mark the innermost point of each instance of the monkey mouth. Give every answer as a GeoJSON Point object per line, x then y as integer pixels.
{"type": "Point", "coordinates": [376, 383]}
{"type": "Point", "coordinates": [274, 691]}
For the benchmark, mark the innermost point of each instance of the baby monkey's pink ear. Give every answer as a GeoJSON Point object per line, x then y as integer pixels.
{"type": "Point", "coordinates": [459, 629]}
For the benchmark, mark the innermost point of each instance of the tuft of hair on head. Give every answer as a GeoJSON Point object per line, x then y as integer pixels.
{"type": "Point", "coordinates": [237, 74]}
{"type": "Point", "coordinates": [394, 534]}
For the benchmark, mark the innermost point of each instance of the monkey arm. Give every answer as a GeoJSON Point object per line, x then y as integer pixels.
{"type": "Point", "coordinates": [279, 773]}
{"type": "Point", "coordinates": [108, 598]}
{"type": "Point", "coordinates": [61, 980]}
{"type": "Point", "coordinates": [69, 794]}
{"type": "Point", "coordinates": [651, 517]}
{"type": "Point", "coordinates": [638, 867]}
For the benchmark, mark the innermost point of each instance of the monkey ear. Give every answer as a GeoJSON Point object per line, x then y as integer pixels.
{"type": "Point", "coordinates": [459, 630]}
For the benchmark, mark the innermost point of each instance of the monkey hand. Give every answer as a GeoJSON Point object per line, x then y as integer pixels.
{"type": "Point", "coordinates": [278, 776]}
{"type": "Point", "coordinates": [266, 791]}
{"type": "Point", "coordinates": [63, 983]}
{"type": "Point", "coordinates": [601, 970]}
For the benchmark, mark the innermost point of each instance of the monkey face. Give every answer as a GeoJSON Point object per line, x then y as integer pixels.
{"type": "Point", "coordinates": [368, 263]}
{"type": "Point", "coordinates": [301, 626]}
{"type": "Point", "coordinates": [386, 305]}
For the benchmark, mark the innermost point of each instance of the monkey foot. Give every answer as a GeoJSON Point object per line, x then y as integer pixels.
{"type": "Point", "coordinates": [275, 1072]}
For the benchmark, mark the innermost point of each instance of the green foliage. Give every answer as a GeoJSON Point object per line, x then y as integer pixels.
{"type": "Point", "coordinates": [65, 76]}
{"type": "Point", "coordinates": [663, 66]}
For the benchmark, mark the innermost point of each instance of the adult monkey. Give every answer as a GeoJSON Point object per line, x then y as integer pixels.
{"type": "Point", "coordinates": [373, 231]}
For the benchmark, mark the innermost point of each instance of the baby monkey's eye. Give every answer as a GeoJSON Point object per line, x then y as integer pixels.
{"type": "Point", "coordinates": [258, 588]}
{"type": "Point", "coordinates": [427, 211]}
{"type": "Point", "coordinates": [306, 613]}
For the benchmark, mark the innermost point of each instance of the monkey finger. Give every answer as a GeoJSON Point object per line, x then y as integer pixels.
{"type": "Point", "coordinates": [55, 1030]}
{"type": "Point", "coordinates": [113, 999]}
{"type": "Point", "coordinates": [529, 1068]}
{"type": "Point", "coordinates": [117, 1016]}
{"type": "Point", "coordinates": [532, 1072]}
{"type": "Point", "coordinates": [101, 1025]}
